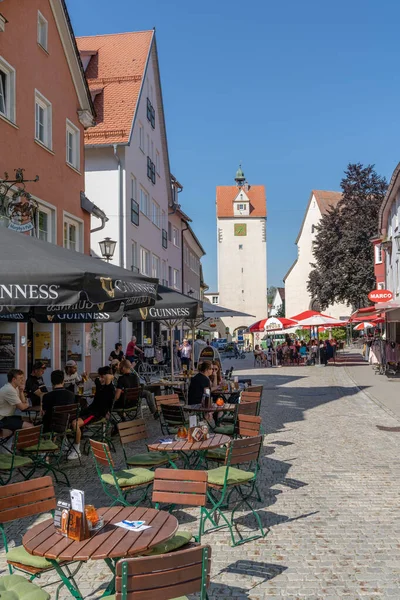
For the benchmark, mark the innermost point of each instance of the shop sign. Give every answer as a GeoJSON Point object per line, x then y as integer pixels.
{"type": "Point", "coordinates": [380, 296]}
{"type": "Point", "coordinates": [7, 352]}
{"type": "Point", "coordinates": [227, 330]}
{"type": "Point", "coordinates": [21, 211]}
{"type": "Point", "coordinates": [207, 353]}
{"type": "Point", "coordinates": [43, 347]}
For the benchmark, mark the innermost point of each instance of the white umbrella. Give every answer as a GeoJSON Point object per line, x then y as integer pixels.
{"type": "Point", "coordinates": [318, 320]}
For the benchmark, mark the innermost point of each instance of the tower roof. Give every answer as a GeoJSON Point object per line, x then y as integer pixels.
{"type": "Point", "coordinates": [226, 194]}
{"type": "Point", "coordinates": [240, 178]}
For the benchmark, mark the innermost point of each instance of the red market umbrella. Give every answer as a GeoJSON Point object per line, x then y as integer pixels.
{"type": "Point", "coordinates": [271, 324]}
{"type": "Point", "coordinates": [362, 326]}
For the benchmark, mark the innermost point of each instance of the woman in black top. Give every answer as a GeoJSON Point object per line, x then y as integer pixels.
{"type": "Point", "coordinates": [200, 382]}
{"type": "Point", "coordinates": [116, 354]}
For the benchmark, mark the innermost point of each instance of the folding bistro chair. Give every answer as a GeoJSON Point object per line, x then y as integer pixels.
{"type": "Point", "coordinates": [27, 499]}
{"type": "Point", "coordinates": [172, 416]}
{"type": "Point", "coordinates": [132, 406]}
{"type": "Point", "coordinates": [49, 450]}
{"type": "Point", "coordinates": [72, 410]}
{"type": "Point", "coordinates": [133, 431]}
{"type": "Point", "coordinates": [246, 426]}
{"type": "Point", "coordinates": [225, 480]}
{"type": "Point", "coordinates": [99, 430]}
{"type": "Point", "coordinates": [16, 460]}
{"type": "Point", "coordinates": [179, 487]}
{"type": "Point", "coordinates": [244, 408]}
{"type": "Point", "coordinates": [164, 577]}
{"type": "Point", "coordinates": [124, 481]}
{"type": "Point", "coordinates": [255, 388]}
{"type": "Point", "coordinates": [166, 399]}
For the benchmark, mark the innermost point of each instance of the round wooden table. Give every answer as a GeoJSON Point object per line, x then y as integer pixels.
{"type": "Point", "coordinates": [184, 447]}
{"type": "Point", "coordinates": [109, 543]}
{"type": "Point", "coordinates": [214, 408]}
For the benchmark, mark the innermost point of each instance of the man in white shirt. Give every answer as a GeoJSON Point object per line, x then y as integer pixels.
{"type": "Point", "coordinates": [71, 376]}
{"type": "Point", "coordinates": [12, 398]}
{"type": "Point", "coordinates": [186, 353]}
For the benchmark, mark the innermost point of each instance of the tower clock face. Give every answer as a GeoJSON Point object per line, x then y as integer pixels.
{"type": "Point", "coordinates": [240, 229]}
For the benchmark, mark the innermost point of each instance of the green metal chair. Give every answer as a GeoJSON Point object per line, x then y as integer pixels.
{"type": "Point", "coordinates": [133, 431]}
{"type": "Point", "coordinates": [49, 451]}
{"type": "Point", "coordinates": [72, 410]}
{"type": "Point", "coordinates": [122, 482]}
{"type": "Point", "coordinates": [27, 499]}
{"type": "Point", "coordinates": [172, 416]}
{"type": "Point", "coordinates": [15, 460]}
{"type": "Point", "coordinates": [245, 426]}
{"type": "Point", "coordinates": [130, 407]}
{"type": "Point", "coordinates": [225, 480]}
{"type": "Point", "coordinates": [244, 408]}
{"type": "Point", "coordinates": [165, 577]}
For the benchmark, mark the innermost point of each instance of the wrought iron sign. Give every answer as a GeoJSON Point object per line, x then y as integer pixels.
{"type": "Point", "coordinates": [16, 204]}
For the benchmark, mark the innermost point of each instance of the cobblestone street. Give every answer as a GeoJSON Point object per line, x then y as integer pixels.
{"type": "Point", "coordinates": [330, 488]}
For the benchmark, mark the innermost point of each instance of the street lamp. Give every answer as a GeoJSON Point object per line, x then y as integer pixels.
{"type": "Point", "coordinates": [107, 248]}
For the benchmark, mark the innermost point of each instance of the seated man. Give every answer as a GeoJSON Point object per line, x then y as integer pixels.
{"type": "Point", "coordinates": [71, 376]}
{"type": "Point", "coordinates": [130, 379]}
{"type": "Point", "coordinates": [58, 397]}
{"type": "Point", "coordinates": [34, 385]}
{"type": "Point", "coordinates": [12, 398]}
{"type": "Point", "coordinates": [98, 409]}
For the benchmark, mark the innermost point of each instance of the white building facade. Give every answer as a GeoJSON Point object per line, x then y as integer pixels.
{"type": "Point", "coordinates": [127, 165]}
{"type": "Point", "coordinates": [389, 230]}
{"type": "Point", "coordinates": [242, 250]}
{"type": "Point", "coordinates": [297, 297]}
{"type": "Point", "coordinates": [278, 303]}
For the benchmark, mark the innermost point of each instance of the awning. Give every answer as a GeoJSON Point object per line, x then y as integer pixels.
{"type": "Point", "coordinates": [36, 273]}
{"type": "Point", "coordinates": [170, 306]}
{"type": "Point", "coordinates": [368, 312]}
{"type": "Point", "coordinates": [215, 311]}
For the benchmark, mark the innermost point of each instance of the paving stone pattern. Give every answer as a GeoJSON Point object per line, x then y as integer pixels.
{"type": "Point", "coordinates": [330, 487]}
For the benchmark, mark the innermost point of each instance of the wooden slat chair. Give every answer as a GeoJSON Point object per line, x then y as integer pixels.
{"type": "Point", "coordinates": [172, 416]}
{"type": "Point", "coordinates": [225, 480]}
{"type": "Point", "coordinates": [49, 450]}
{"type": "Point", "coordinates": [180, 487]}
{"type": "Point", "coordinates": [16, 460]}
{"type": "Point", "coordinates": [72, 410]}
{"type": "Point", "coordinates": [124, 481]}
{"type": "Point", "coordinates": [130, 407]}
{"type": "Point", "coordinates": [247, 425]}
{"type": "Point", "coordinates": [255, 388]}
{"type": "Point", "coordinates": [21, 500]}
{"type": "Point", "coordinates": [133, 431]}
{"type": "Point", "coordinates": [166, 399]}
{"type": "Point", "coordinates": [164, 577]}
{"type": "Point", "coordinates": [100, 431]}
{"type": "Point", "coordinates": [244, 408]}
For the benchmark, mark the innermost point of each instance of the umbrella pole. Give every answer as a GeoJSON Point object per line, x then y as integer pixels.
{"type": "Point", "coordinates": [193, 334]}
{"type": "Point", "coordinates": [171, 349]}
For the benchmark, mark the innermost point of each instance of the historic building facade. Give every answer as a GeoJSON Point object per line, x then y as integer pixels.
{"type": "Point", "coordinates": [242, 250]}
{"type": "Point", "coordinates": [45, 107]}
{"type": "Point", "coordinates": [297, 297]}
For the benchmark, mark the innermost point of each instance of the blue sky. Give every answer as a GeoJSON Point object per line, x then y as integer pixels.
{"type": "Point", "coordinates": [294, 90]}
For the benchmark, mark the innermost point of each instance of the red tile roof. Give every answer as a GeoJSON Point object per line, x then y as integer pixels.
{"type": "Point", "coordinates": [326, 199]}
{"type": "Point", "coordinates": [117, 69]}
{"type": "Point", "coordinates": [227, 193]}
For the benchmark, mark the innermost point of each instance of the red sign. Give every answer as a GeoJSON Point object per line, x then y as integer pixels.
{"type": "Point", "coordinates": [380, 296]}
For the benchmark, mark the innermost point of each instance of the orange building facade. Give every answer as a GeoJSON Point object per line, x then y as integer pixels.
{"type": "Point", "coordinates": [45, 107]}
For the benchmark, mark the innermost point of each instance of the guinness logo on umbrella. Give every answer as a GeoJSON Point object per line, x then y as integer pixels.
{"type": "Point", "coordinates": [143, 313]}
{"type": "Point", "coordinates": [106, 284]}
{"type": "Point", "coordinates": [50, 317]}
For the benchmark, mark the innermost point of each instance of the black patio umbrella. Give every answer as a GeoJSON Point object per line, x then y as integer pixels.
{"type": "Point", "coordinates": [36, 273]}
{"type": "Point", "coordinates": [171, 308]}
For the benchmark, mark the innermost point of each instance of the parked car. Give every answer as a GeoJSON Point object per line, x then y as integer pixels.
{"type": "Point", "coordinates": [221, 344]}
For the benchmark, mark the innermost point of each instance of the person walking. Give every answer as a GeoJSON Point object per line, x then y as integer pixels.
{"type": "Point", "coordinates": [186, 353]}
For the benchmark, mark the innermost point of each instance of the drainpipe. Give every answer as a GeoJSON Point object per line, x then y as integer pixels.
{"type": "Point", "coordinates": [99, 214]}
{"type": "Point", "coordinates": [182, 254]}
{"type": "Point", "coordinates": [121, 221]}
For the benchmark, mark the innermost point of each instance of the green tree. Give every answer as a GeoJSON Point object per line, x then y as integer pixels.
{"type": "Point", "coordinates": [271, 291]}
{"type": "Point", "coordinates": [281, 310]}
{"type": "Point", "coordinates": [344, 264]}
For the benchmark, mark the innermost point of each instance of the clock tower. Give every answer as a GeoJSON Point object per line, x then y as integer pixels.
{"type": "Point", "coordinates": [242, 250]}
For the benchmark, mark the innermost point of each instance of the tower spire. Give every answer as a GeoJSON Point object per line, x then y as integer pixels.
{"type": "Point", "coordinates": [240, 178]}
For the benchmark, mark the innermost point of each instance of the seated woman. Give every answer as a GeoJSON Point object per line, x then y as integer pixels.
{"type": "Point", "coordinates": [259, 354]}
{"type": "Point", "coordinates": [200, 382]}
{"type": "Point", "coordinates": [100, 407]}
{"type": "Point", "coordinates": [216, 377]}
